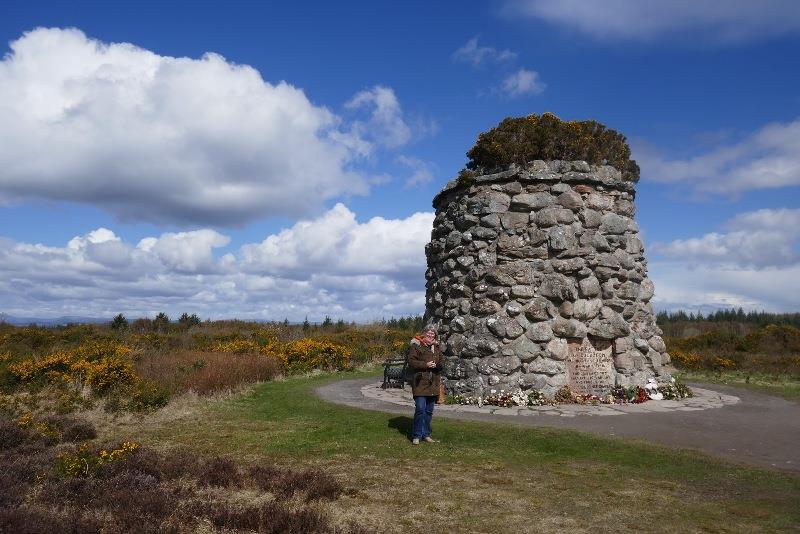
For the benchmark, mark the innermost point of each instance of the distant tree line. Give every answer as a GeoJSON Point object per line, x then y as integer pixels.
{"type": "Point", "coordinates": [412, 322]}
{"type": "Point", "coordinates": [730, 316]}
{"type": "Point", "coordinates": [162, 323]}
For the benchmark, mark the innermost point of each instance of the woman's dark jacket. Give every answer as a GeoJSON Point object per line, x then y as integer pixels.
{"type": "Point", "coordinates": [425, 381]}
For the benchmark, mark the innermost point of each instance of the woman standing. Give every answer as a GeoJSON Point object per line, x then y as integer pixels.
{"type": "Point", "coordinates": [425, 359]}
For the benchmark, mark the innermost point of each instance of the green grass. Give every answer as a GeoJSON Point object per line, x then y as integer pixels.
{"type": "Point", "coordinates": [487, 476]}
{"type": "Point", "coordinates": [785, 386]}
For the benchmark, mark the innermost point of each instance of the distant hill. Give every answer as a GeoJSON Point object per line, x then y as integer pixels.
{"type": "Point", "coordinates": [54, 321]}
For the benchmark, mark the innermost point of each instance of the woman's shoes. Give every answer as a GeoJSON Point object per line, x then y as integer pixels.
{"type": "Point", "coordinates": [415, 441]}
{"type": "Point", "coordinates": [430, 440]}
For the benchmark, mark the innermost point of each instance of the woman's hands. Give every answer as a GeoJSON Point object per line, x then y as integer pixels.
{"type": "Point", "coordinates": [431, 365]}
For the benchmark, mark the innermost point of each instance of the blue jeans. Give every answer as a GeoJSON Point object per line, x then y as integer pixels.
{"type": "Point", "coordinates": [423, 413]}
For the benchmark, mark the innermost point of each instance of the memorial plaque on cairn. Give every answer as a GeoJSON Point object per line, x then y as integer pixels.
{"type": "Point", "coordinates": [590, 369]}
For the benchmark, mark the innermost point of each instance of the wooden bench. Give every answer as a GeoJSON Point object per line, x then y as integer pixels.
{"type": "Point", "coordinates": [394, 372]}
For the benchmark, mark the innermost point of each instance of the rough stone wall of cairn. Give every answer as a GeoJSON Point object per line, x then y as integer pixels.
{"type": "Point", "coordinates": [527, 266]}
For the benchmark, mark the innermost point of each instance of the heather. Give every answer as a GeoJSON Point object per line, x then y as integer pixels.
{"type": "Point", "coordinates": [52, 481]}
{"type": "Point", "coordinates": [140, 365]}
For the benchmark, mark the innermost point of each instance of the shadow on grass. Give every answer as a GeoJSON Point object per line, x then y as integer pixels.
{"type": "Point", "coordinates": [402, 424]}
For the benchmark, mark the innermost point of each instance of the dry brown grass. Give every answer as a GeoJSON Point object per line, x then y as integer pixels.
{"type": "Point", "coordinates": [206, 372]}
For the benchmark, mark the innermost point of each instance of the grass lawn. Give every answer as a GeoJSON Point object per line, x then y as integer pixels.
{"type": "Point", "coordinates": [482, 477]}
{"type": "Point", "coordinates": [784, 386]}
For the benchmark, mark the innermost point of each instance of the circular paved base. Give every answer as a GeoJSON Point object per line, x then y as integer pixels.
{"type": "Point", "coordinates": [759, 429]}
{"type": "Point", "coordinates": [703, 399]}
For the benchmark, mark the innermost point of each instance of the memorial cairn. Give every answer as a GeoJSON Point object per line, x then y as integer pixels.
{"type": "Point", "coordinates": [536, 272]}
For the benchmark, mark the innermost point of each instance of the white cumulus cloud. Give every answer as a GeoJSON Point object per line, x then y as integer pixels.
{"type": "Point", "coordinates": [766, 159]}
{"type": "Point", "coordinates": [421, 171]}
{"type": "Point", "coordinates": [727, 21]}
{"type": "Point", "coordinates": [332, 265]}
{"type": "Point", "coordinates": [156, 138]}
{"type": "Point", "coordinates": [754, 264]}
{"type": "Point", "coordinates": [522, 82]}
{"type": "Point", "coordinates": [478, 56]}
{"type": "Point", "coordinates": [385, 125]}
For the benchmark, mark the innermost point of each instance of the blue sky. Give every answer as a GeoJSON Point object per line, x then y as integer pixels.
{"type": "Point", "coordinates": [291, 172]}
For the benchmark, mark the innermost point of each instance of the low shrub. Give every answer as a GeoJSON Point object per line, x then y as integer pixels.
{"type": "Point", "coordinates": [309, 354]}
{"type": "Point", "coordinates": [207, 372]}
{"type": "Point", "coordinates": [521, 140]}
{"type": "Point", "coordinates": [771, 349]}
{"type": "Point", "coordinates": [132, 489]}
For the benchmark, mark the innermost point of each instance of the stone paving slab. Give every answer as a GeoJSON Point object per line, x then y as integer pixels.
{"type": "Point", "coordinates": [704, 399]}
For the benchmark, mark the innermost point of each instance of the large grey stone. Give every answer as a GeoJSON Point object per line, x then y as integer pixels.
{"type": "Point", "coordinates": [491, 221]}
{"type": "Point", "coordinates": [532, 201]}
{"type": "Point", "coordinates": [628, 291]}
{"type": "Point", "coordinates": [540, 331]}
{"type": "Point", "coordinates": [513, 308]}
{"type": "Point", "coordinates": [479, 232]}
{"type": "Point", "coordinates": [523, 292]}
{"type": "Point", "coordinates": [480, 346]}
{"type": "Point", "coordinates": [585, 309]}
{"type": "Point", "coordinates": [558, 349]}
{"type": "Point", "coordinates": [599, 201]}
{"type": "Point", "coordinates": [498, 277]}
{"type": "Point", "coordinates": [646, 290]}
{"type": "Point", "coordinates": [504, 327]}
{"type": "Point", "coordinates": [537, 236]}
{"type": "Point", "coordinates": [485, 307]}
{"type": "Point", "coordinates": [610, 325]}
{"type": "Point", "coordinates": [557, 287]}
{"type": "Point", "coordinates": [540, 309]}
{"type": "Point", "coordinates": [590, 218]}
{"type": "Point", "coordinates": [497, 294]}
{"type": "Point", "coordinates": [570, 200]}
{"type": "Point", "coordinates": [657, 343]}
{"type": "Point", "coordinates": [569, 328]}
{"type": "Point", "coordinates": [557, 239]}
{"type": "Point", "coordinates": [546, 366]}
{"type": "Point", "coordinates": [455, 344]}
{"type": "Point", "coordinates": [547, 217]}
{"type": "Point", "coordinates": [611, 223]}
{"type": "Point", "coordinates": [523, 348]}
{"type": "Point", "coordinates": [459, 324]}
{"type": "Point", "coordinates": [534, 381]}
{"type": "Point", "coordinates": [514, 221]}
{"type": "Point", "coordinates": [589, 287]}
{"type": "Point", "coordinates": [564, 216]}
{"type": "Point", "coordinates": [502, 365]}
{"type": "Point", "coordinates": [487, 202]}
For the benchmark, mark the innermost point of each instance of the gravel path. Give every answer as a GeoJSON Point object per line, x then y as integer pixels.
{"type": "Point", "coordinates": [735, 424]}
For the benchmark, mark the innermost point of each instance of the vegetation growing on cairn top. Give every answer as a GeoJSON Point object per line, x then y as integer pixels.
{"type": "Point", "coordinates": [521, 140]}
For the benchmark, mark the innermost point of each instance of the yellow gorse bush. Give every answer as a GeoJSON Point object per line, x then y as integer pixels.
{"type": "Point", "coordinates": [82, 461]}
{"type": "Point", "coordinates": [307, 354]}
{"type": "Point", "coordinates": [100, 365]}
{"type": "Point", "coordinates": [59, 362]}
{"type": "Point", "coordinates": [297, 356]}
{"type": "Point", "coordinates": [689, 360]}
{"type": "Point", "coordinates": [108, 373]}
{"type": "Point", "coordinates": [94, 349]}
{"type": "Point", "coordinates": [724, 363]}
{"type": "Point", "coordinates": [44, 428]}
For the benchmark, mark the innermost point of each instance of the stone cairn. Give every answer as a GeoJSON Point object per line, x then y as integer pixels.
{"type": "Point", "coordinates": [537, 279]}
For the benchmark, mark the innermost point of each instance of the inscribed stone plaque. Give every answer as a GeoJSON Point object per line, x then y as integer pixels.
{"type": "Point", "coordinates": [590, 368]}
